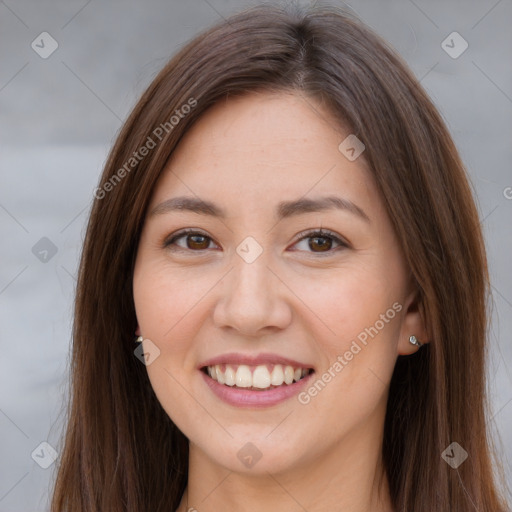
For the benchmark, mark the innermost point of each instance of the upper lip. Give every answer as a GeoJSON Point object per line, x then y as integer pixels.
{"type": "Point", "coordinates": [253, 360]}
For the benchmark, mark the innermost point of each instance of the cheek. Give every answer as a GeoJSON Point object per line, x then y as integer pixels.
{"type": "Point", "coordinates": [166, 299]}
{"type": "Point", "coordinates": [360, 306]}
{"type": "Point", "coordinates": [169, 313]}
{"type": "Point", "coordinates": [349, 301]}
{"type": "Point", "coordinates": [358, 348]}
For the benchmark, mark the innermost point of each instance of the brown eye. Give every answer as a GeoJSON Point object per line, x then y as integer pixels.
{"type": "Point", "coordinates": [197, 242]}
{"type": "Point", "coordinates": [318, 242]}
{"type": "Point", "coordinates": [194, 241]}
{"type": "Point", "coordinates": [321, 241]}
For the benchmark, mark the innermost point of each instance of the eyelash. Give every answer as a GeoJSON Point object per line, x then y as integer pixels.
{"type": "Point", "coordinates": [318, 233]}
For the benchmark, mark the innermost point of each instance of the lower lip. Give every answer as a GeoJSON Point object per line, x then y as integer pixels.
{"type": "Point", "coordinates": [250, 398]}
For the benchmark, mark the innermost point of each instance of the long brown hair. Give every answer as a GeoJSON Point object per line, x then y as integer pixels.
{"type": "Point", "coordinates": [121, 451]}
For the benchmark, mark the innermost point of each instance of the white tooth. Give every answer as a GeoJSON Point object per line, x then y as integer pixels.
{"type": "Point", "coordinates": [304, 372]}
{"type": "Point", "coordinates": [261, 377]}
{"type": "Point", "coordinates": [297, 374]}
{"type": "Point", "coordinates": [288, 375]}
{"type": "Point", "coordinates": [229, 376]}
{"type": "Point", "coordinates": [220, 375]}
{"type": "Point", "coordinates": [212, 373]}
{"type": "Point", "coordinates": [277, 375]}
{"type": "Point", "coordinates": [243, 378]}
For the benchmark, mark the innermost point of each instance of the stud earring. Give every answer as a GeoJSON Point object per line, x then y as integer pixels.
{"type": "Point", "coordinates": [139, 339]}
{"type": "Point", "coordinates": [414, 341]}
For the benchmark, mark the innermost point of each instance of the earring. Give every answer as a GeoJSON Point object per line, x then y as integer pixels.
{"type": "Point", "coordinates": [414, 341]}
{"type": "Point", "coordinates": [139, 339]}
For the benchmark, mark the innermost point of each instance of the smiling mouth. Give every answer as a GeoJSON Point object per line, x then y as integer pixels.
{"type": "Point", "coordinates": [256, 378]}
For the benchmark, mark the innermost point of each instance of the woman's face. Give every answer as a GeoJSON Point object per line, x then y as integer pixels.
{"type": "Point", "coordinates": [255, 290]}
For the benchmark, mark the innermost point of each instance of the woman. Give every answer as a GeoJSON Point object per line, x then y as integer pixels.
{"type": "Point", "coordinates": [286, 230]}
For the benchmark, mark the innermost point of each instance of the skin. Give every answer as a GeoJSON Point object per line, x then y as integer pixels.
{"type": "Point", "coordinates": [298, 299]}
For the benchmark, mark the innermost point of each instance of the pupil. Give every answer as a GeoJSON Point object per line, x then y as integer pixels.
{"type": "Point", "coordinates": [319, 238]}
{"type": "Point", "coordinates": [194, 239]}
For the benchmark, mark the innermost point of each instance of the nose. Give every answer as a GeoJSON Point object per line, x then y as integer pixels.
{"type": "Point", "coordinates": [253, 299]}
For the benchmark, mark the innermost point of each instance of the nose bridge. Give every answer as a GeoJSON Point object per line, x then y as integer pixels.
{"type": "Point", "coordinates": [251, 279]}
{"type": "Point", "coordinates": [251, 300]}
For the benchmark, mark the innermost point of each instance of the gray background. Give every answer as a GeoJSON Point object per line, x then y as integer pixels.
{"type": "Point", "coordinates": [59, 116]}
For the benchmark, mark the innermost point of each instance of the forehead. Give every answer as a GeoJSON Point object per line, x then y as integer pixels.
{"type": "Point", "coordinates": [262, 146]}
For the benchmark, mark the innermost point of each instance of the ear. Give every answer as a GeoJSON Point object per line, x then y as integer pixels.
{"type": "Point", "coordinates": [137, 330]}
{"type": "Point", "coordinates": [413, 323]}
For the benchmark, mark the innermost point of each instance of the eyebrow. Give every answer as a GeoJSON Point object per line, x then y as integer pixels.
{"type": "Point", "coordinates": [285, 209]}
